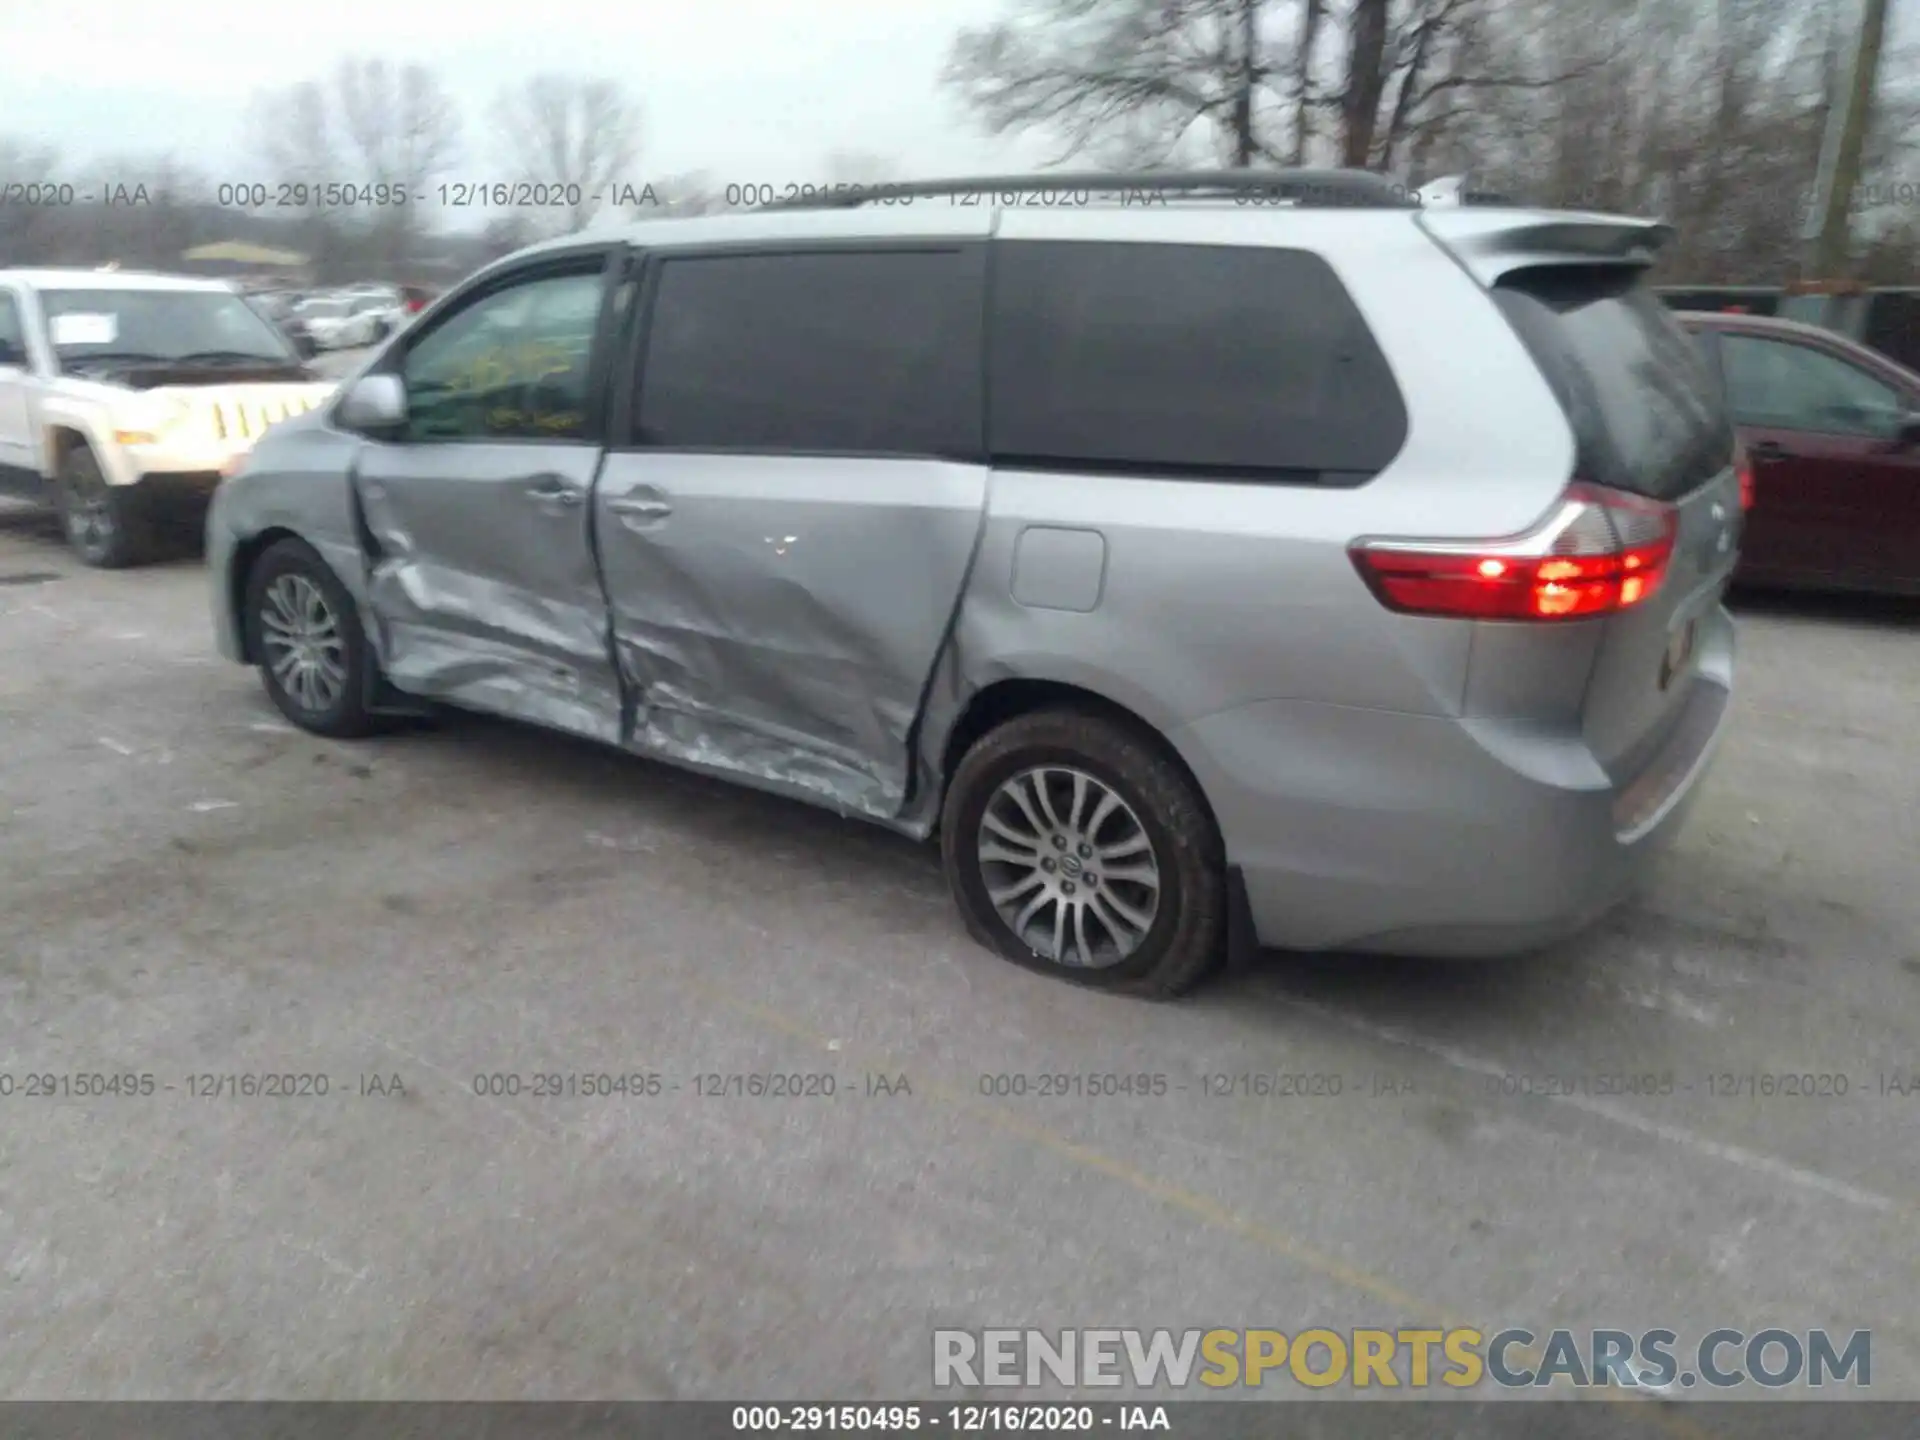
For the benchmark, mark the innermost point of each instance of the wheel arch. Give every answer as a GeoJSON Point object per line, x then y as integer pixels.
{"type": "Point", "coordinates": [64, 429]}
{"type": "Point", "coordinates": [61, 439]}
{"type": "Point", "coordinates": [1010, 697]}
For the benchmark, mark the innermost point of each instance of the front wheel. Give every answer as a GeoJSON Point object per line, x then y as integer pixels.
{"type": "Point", "coordinates": [103, 523]}
{"type": "Point", "coordinates": [304, 633]}
{"type": "Point", "coordinates": [1074, 845]}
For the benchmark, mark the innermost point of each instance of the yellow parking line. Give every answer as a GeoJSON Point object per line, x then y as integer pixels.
{"type": "Point", "coordinates": [1176, 1197]}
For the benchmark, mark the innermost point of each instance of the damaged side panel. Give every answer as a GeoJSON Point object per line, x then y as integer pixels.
{"type": "Point", "coordinates": [778, 618]}
{"type": "Point", "coordinates": [481, 580]}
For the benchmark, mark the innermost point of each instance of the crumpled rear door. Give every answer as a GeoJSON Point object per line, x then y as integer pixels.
{"type": "Point", "coordinates": [788, 521]}
{"type": "Point", "coordinates": [779, 617]}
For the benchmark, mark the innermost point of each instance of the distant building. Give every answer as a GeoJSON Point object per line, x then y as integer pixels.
{"type": "Point", "coordinates": [236, 260]}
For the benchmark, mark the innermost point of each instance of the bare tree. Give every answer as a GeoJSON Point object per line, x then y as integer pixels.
{"type": "Point", "coordinates": [31, 231]}
{"type": "Point", "coordinates": [293, 132]}
{"type": "Point", "coordinates": [1366, 80]}
{"type": "Point", "coordinates": [295, 140]}
{"type": "Point", "coordinates": [1708, 112]}
{"type": "Point", "coordinates": [400, 131]}
{"type": "Point", "coordinates": [1137, 79]}
{"type": "Point", "coordinates": [1122, 79]}
{"type": "Point", "coordinates": [572, 132]}
{"type": "Point", "coordinates": [153, 207]}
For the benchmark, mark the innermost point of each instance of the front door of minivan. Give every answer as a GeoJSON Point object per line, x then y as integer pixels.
{"type": "Point", "coordinates": [786, 530]}
{"type": "Point", "coordinates": [481, 576]}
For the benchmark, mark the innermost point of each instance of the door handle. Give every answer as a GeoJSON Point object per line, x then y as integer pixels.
{"type": "Point", "coordinates": [552, 490]}
{"type": "Point", "coordinates": [1768, 450]}
{"type": "Point", "coordinates": [640, 513]}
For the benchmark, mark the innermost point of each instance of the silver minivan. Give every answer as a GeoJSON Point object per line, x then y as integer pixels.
{"type": "Point", "coordinates": [1208, 561]}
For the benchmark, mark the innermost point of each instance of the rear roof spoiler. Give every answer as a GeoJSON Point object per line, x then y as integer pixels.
{"type": "Point", "coordinates": [1493, 243]}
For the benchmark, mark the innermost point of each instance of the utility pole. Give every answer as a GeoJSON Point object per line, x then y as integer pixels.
{"type": "Point", "coordinates": [1826, 231]}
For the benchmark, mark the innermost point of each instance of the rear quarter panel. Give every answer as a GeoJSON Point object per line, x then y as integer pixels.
{"type": "Point", "coordinates": [1217, 594]}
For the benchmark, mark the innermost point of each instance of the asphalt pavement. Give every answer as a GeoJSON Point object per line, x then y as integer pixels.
{"type": "Point", "coordinates": [424, 923]}
{"type": "Point", "coordinates": [336, 364]}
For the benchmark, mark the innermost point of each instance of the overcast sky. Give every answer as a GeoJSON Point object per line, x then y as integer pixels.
{"type": "Point", "coordinates": [753, 91]}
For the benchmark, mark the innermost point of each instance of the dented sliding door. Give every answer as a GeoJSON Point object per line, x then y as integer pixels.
{"type": "Point", "coordinates": [787, 524]}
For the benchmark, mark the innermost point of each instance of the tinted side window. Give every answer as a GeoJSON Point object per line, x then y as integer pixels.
{"type": "Point", "coordinates": [13, 339]}
{"type": "Point", "coordinates": [1795, 387]}
{"type": "Point", "coordinates": [874, 353]}
{"type": "Point", "coordinates": [1186, 358]}
{"type": "Point", "coordinates": [512, 365]}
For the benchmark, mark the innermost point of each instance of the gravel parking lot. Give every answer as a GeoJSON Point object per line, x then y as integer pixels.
{"type": "Point", "coordinates": [192, 890]}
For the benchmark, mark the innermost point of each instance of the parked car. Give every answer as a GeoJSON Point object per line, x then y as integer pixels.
{"type": "Point", "coordinates": [340, 323]}
{"type": "Point", "coordinates": [1885, 318]}
{"type": "Point", "coordinates": [1832, 431]}
{"type": "Point", "coordinates": [124, 397]}
{"type": "Point", "coordinates": [277, 307]}
{"type": "Point", "coordinates": [1183, 579]}
{"type": "Point", "coordinates": [389, 312]}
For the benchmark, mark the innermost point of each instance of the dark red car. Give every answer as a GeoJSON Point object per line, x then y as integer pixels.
{"type": "Point", "coordinates": [1832, 434]}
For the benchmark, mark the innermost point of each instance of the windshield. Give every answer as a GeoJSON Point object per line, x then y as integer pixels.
{"type": "Point", "coordinates": [161, 324]}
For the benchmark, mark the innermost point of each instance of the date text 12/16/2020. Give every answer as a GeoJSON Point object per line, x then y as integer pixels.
{"type": "Point", "coordinates": [451, 195]}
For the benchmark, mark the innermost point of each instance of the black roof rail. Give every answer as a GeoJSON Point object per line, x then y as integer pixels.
{"type": "Point", "coordinates": [1300, 187]}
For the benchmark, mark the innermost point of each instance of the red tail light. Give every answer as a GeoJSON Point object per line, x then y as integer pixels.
{"type": "Point", "coordinates": [1598, 552]}
{"type": "Point", "coordinates": [1743, 467]}
{"type": "Point", "coordinates": [414, 307]}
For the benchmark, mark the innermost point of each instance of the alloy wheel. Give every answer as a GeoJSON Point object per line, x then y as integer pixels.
{"type": "Point", "coordinates": [304, 645]}
{"type": "Point", "coordinates": [88, 516]}
{"type": "Point", "coordinates": [1069, 867]}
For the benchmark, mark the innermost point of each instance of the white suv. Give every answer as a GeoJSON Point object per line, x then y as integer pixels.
{"type": "Point", "coordinates": [124, 397]}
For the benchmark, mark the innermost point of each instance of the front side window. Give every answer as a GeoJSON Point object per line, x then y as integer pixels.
{"type": "Point", "coordinates": [511, 365]}
{"type": "Point", "coordinates": [869, 353]}
{"type": "Point", "coordinates": [1780, 385]}
{"type": "Point", "coordinates": [13, 339]}
{"type": "Point", "coordinates": [157, 326]}
{"type": "Point", "coordinates": [1171, 359]}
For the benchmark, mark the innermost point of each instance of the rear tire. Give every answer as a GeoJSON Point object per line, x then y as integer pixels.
{"type": "Point", "coordinates": [1037, 808]}
{"type": "Point", "coordinates": [104, 524]}
{"type": "Point", "coordinates": [304, 632]}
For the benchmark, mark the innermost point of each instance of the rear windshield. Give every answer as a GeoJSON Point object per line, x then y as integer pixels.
{"type": "Point", "coordinates": [1646, 415]}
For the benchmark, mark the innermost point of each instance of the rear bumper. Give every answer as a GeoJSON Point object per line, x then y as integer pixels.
{"type": "Point", "coordinates": [1442, 836]}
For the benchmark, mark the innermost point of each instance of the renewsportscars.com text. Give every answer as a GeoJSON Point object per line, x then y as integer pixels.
{"type": "Point", "coordinates": [1414, 1359]}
